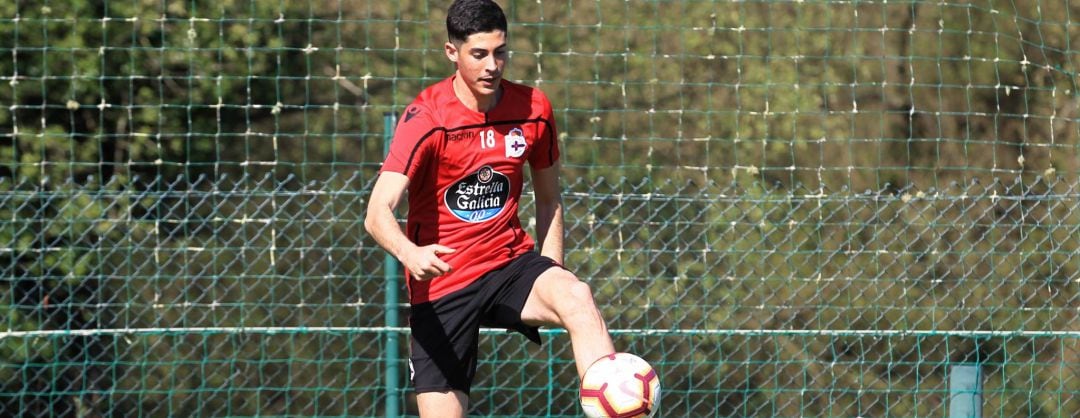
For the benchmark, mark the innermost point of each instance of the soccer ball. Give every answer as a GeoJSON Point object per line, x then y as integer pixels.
{"type": "Point", "coordinates": [620, 385]}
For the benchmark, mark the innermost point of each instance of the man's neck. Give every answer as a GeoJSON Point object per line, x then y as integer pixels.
{"type": "Point", "coordinates": [481, 104]}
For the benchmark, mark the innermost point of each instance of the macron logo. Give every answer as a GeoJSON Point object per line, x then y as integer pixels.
{"type": "Point", "coordinates": [413, 111]}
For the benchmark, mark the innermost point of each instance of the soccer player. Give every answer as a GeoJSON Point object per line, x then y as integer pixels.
{"type": "Point", "coordinates": [460, 150]}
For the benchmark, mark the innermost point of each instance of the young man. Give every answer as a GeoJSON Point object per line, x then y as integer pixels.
{"type": "Point", "coordinates": [460, 151]}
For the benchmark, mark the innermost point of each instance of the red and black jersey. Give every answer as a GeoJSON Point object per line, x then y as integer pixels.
{"type": "Point", "coordinates": [465, 171]}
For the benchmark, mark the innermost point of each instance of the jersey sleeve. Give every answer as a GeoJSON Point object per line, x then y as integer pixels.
{"type": "Point", "coordinates": [411, 145]}
{"type": "Point", "coordinates": [546, 150]}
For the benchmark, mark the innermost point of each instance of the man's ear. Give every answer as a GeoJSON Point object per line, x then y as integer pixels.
{"type": "Point", "coordinates": [451, 52]}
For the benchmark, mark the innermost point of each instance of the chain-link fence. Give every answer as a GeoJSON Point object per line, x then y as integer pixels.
{"type": "Point", "coordinates": [255, 296]}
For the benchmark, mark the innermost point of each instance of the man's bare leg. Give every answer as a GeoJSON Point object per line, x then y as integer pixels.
{"type": "Point", "coordinates": [451, 404]}
{"type": "Point", "coordinates": [559, 299]}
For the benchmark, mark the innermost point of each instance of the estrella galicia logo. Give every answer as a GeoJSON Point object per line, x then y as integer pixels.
{"type": "Point", "coordinates": [479, 196]}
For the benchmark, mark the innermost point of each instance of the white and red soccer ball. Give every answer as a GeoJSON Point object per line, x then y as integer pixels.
{"type": "Point", "coordinates": [620, 385]}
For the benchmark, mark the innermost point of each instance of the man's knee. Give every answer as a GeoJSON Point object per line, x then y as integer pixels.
{"type": "Point", "coordinates": [576, 305]}
{"type": "Point", "coordinates": [567, 301]}
{"type": "Point", "coordinates": [566, 291]}
{"type": "Point", "coordinates": [580, 293]}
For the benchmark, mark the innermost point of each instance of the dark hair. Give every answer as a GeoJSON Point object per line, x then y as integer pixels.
{"type": "Point", "coordinates": [466, 17]}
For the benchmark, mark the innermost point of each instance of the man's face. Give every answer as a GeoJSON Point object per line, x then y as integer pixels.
{"type": "Point", "coordinates": [480, 61]}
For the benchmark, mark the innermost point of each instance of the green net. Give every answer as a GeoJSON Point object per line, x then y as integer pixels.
{"type": "Point", "coordinates": [789, 208]}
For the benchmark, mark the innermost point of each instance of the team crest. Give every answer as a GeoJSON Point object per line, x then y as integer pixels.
{"type": "Point", "coordinates": [515, 143]}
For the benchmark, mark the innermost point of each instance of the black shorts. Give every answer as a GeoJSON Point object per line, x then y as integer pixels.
{"type": "Point", "coordinates": [446, 332]}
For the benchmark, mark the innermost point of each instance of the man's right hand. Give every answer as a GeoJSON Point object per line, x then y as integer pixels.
{"type": "Point", "coordinates": [425, 263]}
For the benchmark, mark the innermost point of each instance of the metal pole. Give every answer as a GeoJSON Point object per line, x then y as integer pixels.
{"type": "Point", "coordinates": [965, 390]}
{"type": "Point", "coordinates": [390, 279]}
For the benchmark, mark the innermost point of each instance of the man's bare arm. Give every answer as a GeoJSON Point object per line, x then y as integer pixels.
{"type": "Point", "coordinates": [422, 262]}
{"type": "Point", "coordinates": [549, 212]}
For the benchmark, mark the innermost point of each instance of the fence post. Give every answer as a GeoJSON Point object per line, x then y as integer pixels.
{"type": "Point", "coordinates": [390, 281]}
{"type": "Point", "coordinates": [965, 390]}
